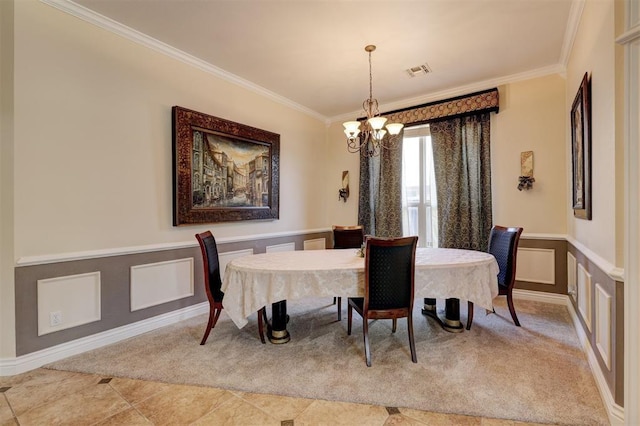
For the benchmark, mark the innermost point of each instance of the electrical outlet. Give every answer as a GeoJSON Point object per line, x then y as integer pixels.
{"type": "Point", "coordinates": [55, 318]}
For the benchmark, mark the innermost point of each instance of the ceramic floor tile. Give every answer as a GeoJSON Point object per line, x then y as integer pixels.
{"type": "Point", "coordinates": [84, 407]}
{"type": "Point", "coordinates": [279, 407]}
{"type": "Point", "coordinates": [441, 419]}
{"type": "Point", "coordinates": [342, 413]}
{"type": "Point", "coordinates": [181, 404]}
{"type": "Point", "coordinates": [5, 410]}
{"type": "Point", "coordinates": [129, 417]}
{"type": "Point", "coordinates": [45, 387]}
{"type": "Point", "coordinates": [497, 422]}
{"type": "Point", "coordinates": [10, 422]}
{"type": "Point", "coordinates": [237, 411]}
{"type": "Point", "coordinates": [40, 375]}
{"type": "Point", "coordinates": [135, 391]}
{"type": "Point", "coordinates": [401, 420]}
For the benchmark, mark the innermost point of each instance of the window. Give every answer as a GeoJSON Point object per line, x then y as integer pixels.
{"type": "Point", "coordinates": [419, 204]}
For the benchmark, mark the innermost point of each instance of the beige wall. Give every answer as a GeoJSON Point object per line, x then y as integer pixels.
{"type": "Point", "coordinates": [92, 141]}
{"type": "Point", "coordinates": [531, 118]}
{"type": "Point", "coordinates": [7, 294]}
{"type": "Point", "coordinates": [594, 52]}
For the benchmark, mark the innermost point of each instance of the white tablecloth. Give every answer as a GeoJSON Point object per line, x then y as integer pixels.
{"type": "Point", "coordinates": [254, 281]}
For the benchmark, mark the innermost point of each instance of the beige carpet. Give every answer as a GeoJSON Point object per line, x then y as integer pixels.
{"type": "Point", "coordinates": [534, 373]}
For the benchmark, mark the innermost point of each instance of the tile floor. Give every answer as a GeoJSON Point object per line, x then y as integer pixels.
{"type": "Point", "coordinates": [50, 397]}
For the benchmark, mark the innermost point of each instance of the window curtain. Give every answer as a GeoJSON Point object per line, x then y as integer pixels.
{"type": "Point", "coordinates": [462, 160]}
{"type": "Point", "coordinates": [380, 203]}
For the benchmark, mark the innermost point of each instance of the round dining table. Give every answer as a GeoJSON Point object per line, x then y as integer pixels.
{"type": "Point", "coordinates": [253, 281]}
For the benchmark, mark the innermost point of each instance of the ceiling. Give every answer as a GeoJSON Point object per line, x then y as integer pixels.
{"type": "Point", "coordinates": [311, 54]}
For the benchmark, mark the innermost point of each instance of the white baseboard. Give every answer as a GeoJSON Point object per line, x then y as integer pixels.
{"type": "Point", "coordinates": [614, 411]}
{"type": "Point", "coordinates": [22, 364]}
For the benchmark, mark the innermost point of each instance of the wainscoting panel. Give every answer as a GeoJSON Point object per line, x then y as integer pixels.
{"type": "Point", "coordinates": [542, 265]}
{"type": "Point", "coordinates": [571, 276]}
{"type": "Point", "coordinates": [536, 265]}
{"type": "Point", "coordinates": [281, 247]}
{"type": "Point", "coordinates": [602, 297]}
{"type": "Point", "coordinates": [584, 295]}
{"type": "Point", "coordinates": [67, 302]}
{"type": "Point", "coordinates": [603, 324]}
{"type": "Point", "coordinates": [157, 283]}
{"type": "Point", "coordinates": [109, 304]}
{"type": "Point", "coordinates": [229, 256]}
{"type": "Point", "coordinates": [316, 244]}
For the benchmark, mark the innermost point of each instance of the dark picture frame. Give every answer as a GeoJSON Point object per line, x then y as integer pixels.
{"type": "Point", "coordinates": [581, 150]}
{"type": "Point", "coordinates": [222, 171]}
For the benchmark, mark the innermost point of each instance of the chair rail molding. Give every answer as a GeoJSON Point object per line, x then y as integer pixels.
{"type": "Point", "coordinates": [119, 251]}
{"type": "Point", "coordinates": [614, 272]}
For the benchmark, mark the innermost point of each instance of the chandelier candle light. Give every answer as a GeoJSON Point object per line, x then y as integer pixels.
{"type": "Point", "coordinates": [370, 142]}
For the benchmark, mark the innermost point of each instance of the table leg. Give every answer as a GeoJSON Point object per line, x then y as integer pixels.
{"type": "Point", "coordinates": [452, 316]}
{"type": "Point", "coordinates": [277, 332]}
{"type": "Point", "coordinates": [451, 321]}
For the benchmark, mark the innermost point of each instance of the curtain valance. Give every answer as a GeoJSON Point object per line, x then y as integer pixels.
{"type": "Point", "coordinates": [474, 103]}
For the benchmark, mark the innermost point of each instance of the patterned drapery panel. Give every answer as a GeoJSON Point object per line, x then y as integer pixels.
{"type": "Point", "coordinates": [380, 203]}
{"type": "Point", "coordinates": [462, 161]}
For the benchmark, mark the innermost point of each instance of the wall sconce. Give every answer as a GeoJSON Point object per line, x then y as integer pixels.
{"type": "Point", "coordinates": [343, 193]}
{"type": "Point", "coordinates": [525, 181]}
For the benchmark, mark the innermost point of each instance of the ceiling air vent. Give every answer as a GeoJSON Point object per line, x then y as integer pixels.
{"type": "Point", "coordinates": [419, 70]}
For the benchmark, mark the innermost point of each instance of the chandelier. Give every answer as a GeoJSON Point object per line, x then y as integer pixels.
{"type": "Point", "coordinates": [370, 140]}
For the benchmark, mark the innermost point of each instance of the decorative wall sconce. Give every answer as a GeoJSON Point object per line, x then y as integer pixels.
{"type": "Point", "coordinates": [343, 193]}
{"type": "Point", "coordinates": [525, 181]}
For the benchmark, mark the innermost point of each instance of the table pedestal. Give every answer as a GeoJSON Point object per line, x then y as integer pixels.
{"type": "Point", "coordinates": [451, 321]}
{"type": "Point", "coordinates": [277, 330]}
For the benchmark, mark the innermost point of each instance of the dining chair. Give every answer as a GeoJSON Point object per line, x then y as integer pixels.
{"type": "Point", "coordinates": [503, 245]}
{"type": "Point", "coordinates": [345, 237]}
{"type": "Point", "coordinates": [388, 292]}
{"type": "Point", "coordinates": [213, 284]}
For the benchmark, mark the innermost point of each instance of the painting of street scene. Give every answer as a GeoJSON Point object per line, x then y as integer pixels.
{"type": "Point", "coordinates": [228, 172]}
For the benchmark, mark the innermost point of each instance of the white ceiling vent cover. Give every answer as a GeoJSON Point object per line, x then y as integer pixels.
{"type": "Point", "coordinates": [419, 70]}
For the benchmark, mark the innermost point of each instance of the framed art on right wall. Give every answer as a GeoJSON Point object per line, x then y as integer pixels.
{"type": "Point", "coordinates": [581, 150]}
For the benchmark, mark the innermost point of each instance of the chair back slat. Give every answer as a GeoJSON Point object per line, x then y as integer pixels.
{"type": "Point", "coordinates": [348, 236]}
{"type": "Point", "coordinates": [503, 245]}
{"type": "Point", "coordinates": [211, 263]}
{"type": "Point", "coordinates": [389, 273]}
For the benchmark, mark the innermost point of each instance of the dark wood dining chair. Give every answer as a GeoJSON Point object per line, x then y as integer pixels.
{"type": "Point", "coordinates": [389, 281]}
{"type": "Point", "coordinates": [345, 237]}
{"type": "Point", "coordinates": [213, 284]}
{"type": "Point", "coordinates": [503, 245]}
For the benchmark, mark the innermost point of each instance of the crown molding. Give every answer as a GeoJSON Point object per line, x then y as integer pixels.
{"type": "Point", "coordinates": [575, 14]}
{"type": "Point", "coordinates": [110, 25]}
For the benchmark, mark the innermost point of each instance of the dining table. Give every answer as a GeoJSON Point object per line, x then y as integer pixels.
{"type": "Point", "coordinates": [254, 281]}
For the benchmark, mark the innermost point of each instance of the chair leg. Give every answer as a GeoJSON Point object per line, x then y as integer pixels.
{"type": "Point", "coordinates": [339, 308]}
{"type": "Point", "coordinates": [469, 314]}
{"type": "Point", "coordinates": [412, 343]}
{"type": "Point", "coordinates": [334, 300]}
{"type": "Point", "coordinates": [214, 314]}
{"type": "Point", "coordinates": [349, 317]}
{"type": "Point", "coordinates": [261, 313]}
{"type": "Point", "coordinates": [512, 309]}
{"type": "Point", "coordinates": [395, 325]}
{"type": "Point", "coordinates": [365, 332]}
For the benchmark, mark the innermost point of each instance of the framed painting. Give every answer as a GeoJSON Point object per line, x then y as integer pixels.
{"type": "Point", "coordinates": [581, 150]}
{"type": "Point", "coordinates": [222, 171]}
